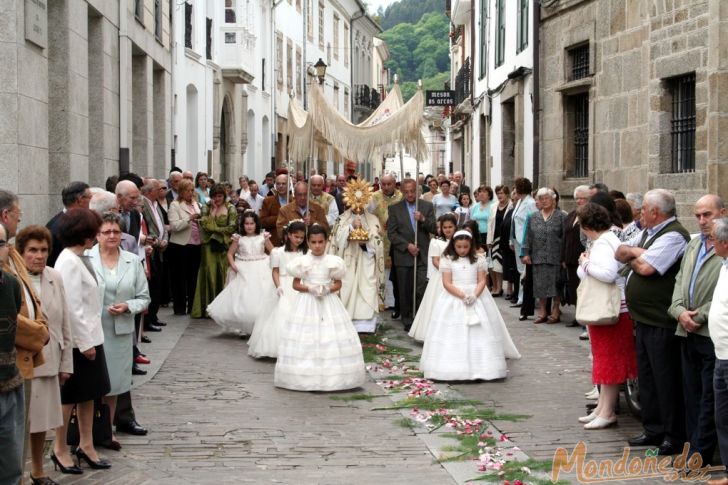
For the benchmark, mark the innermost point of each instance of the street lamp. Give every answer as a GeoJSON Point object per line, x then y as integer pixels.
{"type": "Point", "coordinates": [320, 67]}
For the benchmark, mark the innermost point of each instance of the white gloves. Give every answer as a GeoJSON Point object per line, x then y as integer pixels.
{"type": "Point", "coordinates": [320, 291]}
{"type": "Point", "coordinates": [279, 291]}
{"type": "Point", "coordinates": [469, 299]}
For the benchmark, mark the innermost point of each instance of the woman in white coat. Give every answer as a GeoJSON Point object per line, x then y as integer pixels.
{"type": "Point", "coordinates": [45, 412]}
{"type": "Point", "coordinates": [124, 292]}
{"type": "Point", "coordinates": [90, 380]}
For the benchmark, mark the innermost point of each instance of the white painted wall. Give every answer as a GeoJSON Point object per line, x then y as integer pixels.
{"type": "Point", "coordinates": [289, 22]}
{"type": "Point", "coordinates": [191, 68]}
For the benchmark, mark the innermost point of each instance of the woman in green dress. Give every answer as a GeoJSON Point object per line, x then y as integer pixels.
{"type": "Point", "coordinates": [218, 222]}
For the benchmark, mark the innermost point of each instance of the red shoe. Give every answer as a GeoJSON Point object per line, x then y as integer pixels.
{"type": "Point", "coordinates": [140, 359]}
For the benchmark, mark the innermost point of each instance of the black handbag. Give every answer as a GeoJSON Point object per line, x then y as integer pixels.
{"type": "Point", "coordinates": [101, 426]}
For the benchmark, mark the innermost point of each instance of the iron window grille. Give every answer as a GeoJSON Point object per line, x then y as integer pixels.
{"type": "Point", "coordinates": [682, 129]}
{"type": "Point", "coordinates": [581, 135]}
{"type": "Point", "coordinates": [188, 25]}
{"type": "Point", "coordinates": [579, 62]}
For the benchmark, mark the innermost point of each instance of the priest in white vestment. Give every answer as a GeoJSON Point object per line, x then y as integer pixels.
{"type": "Point", "coordinates": [362, 287]}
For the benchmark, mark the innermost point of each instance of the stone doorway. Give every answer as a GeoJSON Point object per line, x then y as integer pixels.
{"type": "Point", "coordinates": [508, 142]}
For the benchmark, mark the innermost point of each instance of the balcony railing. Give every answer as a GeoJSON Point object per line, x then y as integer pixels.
{"type": "Point", "coordinates": [366, 97]}
{"type": "Point", "coordinates": [463, 83]}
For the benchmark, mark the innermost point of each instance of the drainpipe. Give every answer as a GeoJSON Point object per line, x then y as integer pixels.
{"type": "Point", "coordinates": [274, 85]}
{"type": "Point", "coordinates": [536, 108]}
{"type": "Point", "coordinates": [472, 89]}
{"type": "Point", "coordinates": [124, 69]}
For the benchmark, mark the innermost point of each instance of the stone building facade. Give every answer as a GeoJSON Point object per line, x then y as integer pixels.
{"type": "Point", "coordinates": [634, 93]}
{"type": "Point", "coordinates": [85, 92]}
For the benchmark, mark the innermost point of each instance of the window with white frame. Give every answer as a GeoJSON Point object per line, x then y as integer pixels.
{"type": "Point", "coordinates": [230, 16]}
{"type": "Point", "coordinates": [346, 52]}
{"type": "Point", "coordinates": [321, 25]}
{"type": "Point", "coordinates": [299, 68]}
{"type": "Point", "coordinates": [279, 59]}
{"type": "Point", "coordinates": [289, 65]}
{"type": "Point", "coordinates": [336, 36]}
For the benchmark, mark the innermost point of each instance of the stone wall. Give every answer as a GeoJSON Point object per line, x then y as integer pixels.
{"type": "Point", "coordinates": [60, 99]}
{"type": "Point", "coordinates": [635, 47]}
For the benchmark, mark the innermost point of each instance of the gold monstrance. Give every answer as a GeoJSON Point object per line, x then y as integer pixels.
{"type": "Point", "coordinates": [357, 195]}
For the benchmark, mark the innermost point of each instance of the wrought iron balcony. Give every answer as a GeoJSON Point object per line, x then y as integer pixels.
{"type": "Point", "coordinates": [366, 97]}
{"type": "Point", "coordinates": [463, 84]}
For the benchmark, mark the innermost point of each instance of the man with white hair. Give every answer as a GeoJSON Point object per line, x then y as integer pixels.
{"type": "Point", "coordinates": [691, 302]}
{"type": "Point", "coordinates": [457, 177]}
{"type": "Point", "coordinates": [652, 260]}
{"type": "Point", "coordinates": [324, 200]}
{"type": "Point", "coordinates": [173, 181]}
{"type": "Point", "coordinates": [718, 324]}
{"type": "Point", "coordinates": [572, 247]}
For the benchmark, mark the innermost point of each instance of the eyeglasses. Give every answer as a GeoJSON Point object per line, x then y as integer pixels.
{"type": "Point", "coordinates": [3, 243]}
{"type": "Point", "coordinates": [111, 232]}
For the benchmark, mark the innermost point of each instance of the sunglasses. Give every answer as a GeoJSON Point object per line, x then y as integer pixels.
{"type": "Point", "coordinates": [3, 243]}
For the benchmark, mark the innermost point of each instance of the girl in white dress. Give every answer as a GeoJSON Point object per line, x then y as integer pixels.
{"type": "Point", "coordinates": [467, 338]}
{"type": "Point", "coordinates": [251, 289]}
{"type": "Point", "coordinates": [448, 226]}
{"type": "Point", "coordinates": [319, 348]}
{"type": "Point", "coordinates": [266, 334]}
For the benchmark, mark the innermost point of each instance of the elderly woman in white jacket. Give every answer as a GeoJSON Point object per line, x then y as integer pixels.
{"type": "Point", "coordinates": [90, 380]}
{"type": "Point", "coordinates": [124, 292]}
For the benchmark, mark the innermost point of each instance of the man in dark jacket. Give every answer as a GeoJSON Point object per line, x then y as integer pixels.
{"type": "Point", "coordinates": [404, 218]}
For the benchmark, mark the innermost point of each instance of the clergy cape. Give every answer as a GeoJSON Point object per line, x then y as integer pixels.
{"type": "Point", "coordinates": [380, 208]}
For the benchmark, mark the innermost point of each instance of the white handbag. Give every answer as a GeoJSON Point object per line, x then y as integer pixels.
{"type": "Point", "coordinates": [597, 303]}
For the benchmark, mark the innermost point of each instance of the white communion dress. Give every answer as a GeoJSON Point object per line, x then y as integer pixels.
{"type": "Point", "coordinates": [319, 349]}
{"type": "Point", "coordinates": [266, 334]}
{"type": "Point", "coordinates": [466, 342]}
{"type": "Point", "coordinates": [251, 290]}
{"type": "Point", "coordinates": [421, 323]}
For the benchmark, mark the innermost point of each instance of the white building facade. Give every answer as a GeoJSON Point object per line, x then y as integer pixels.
{"type": "Point", "coordinates": [304, 32]}
{"type": "Point", "coordinates": [492, 53]}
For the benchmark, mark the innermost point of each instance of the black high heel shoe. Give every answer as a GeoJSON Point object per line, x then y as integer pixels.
{"type": "Point", "coordinates": [68, 470]}
{"type": "Point", "coordinates": [96, 465]}
{"type": "Point", "coordinates": [42, 480]}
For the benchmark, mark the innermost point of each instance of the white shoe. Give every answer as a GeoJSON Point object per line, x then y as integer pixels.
{"type": "Point", "coordinates": [594, 395]}
{"type": "Point", "coordinates": [591, 391]}
{"type": "Point", "coordinates": [588, 419]}
{"type": "Point", "coordinates": [601, 423]}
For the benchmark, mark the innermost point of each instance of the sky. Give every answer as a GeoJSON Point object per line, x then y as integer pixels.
{"type": "Point", "coordinates": [373, 5]}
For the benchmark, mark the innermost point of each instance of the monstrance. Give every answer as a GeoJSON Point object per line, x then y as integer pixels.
{"type": "Point", "coordinates": [357, 195]}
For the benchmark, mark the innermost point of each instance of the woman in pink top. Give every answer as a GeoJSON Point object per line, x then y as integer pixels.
{"type": "Point", "coordinates": [184, 246]}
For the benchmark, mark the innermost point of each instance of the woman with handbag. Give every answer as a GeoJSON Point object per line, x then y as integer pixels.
{"type": "Point", "coordinates": [90, 379]}
{"type": "Point", "coordinates": [124, 292]}
{"type": "Point", "coordinates": [603, 309]}
{"type": "Point", "coordinates": [218, 223]}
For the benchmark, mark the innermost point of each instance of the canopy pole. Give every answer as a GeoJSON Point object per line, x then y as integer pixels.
{"type": "Point", "coordinates": [417, 208]}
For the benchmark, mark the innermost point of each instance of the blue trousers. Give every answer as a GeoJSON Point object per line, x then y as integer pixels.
{"type": "Point", "coordinates": [12, 435]}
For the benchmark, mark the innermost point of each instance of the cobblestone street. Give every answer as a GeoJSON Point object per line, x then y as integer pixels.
{"type": "Point", "coordinates": [215, 417]}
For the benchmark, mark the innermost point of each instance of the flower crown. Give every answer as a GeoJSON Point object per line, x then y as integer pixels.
{"type": "Point", "coordinates": [288, 224]}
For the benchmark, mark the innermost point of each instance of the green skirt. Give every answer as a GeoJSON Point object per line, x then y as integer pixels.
{"type": "Point", "coordinates": [210, 280]}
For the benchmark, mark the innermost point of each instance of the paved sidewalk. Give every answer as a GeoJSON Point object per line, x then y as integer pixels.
{"type": "Point", "coordinates": [215, 417]}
